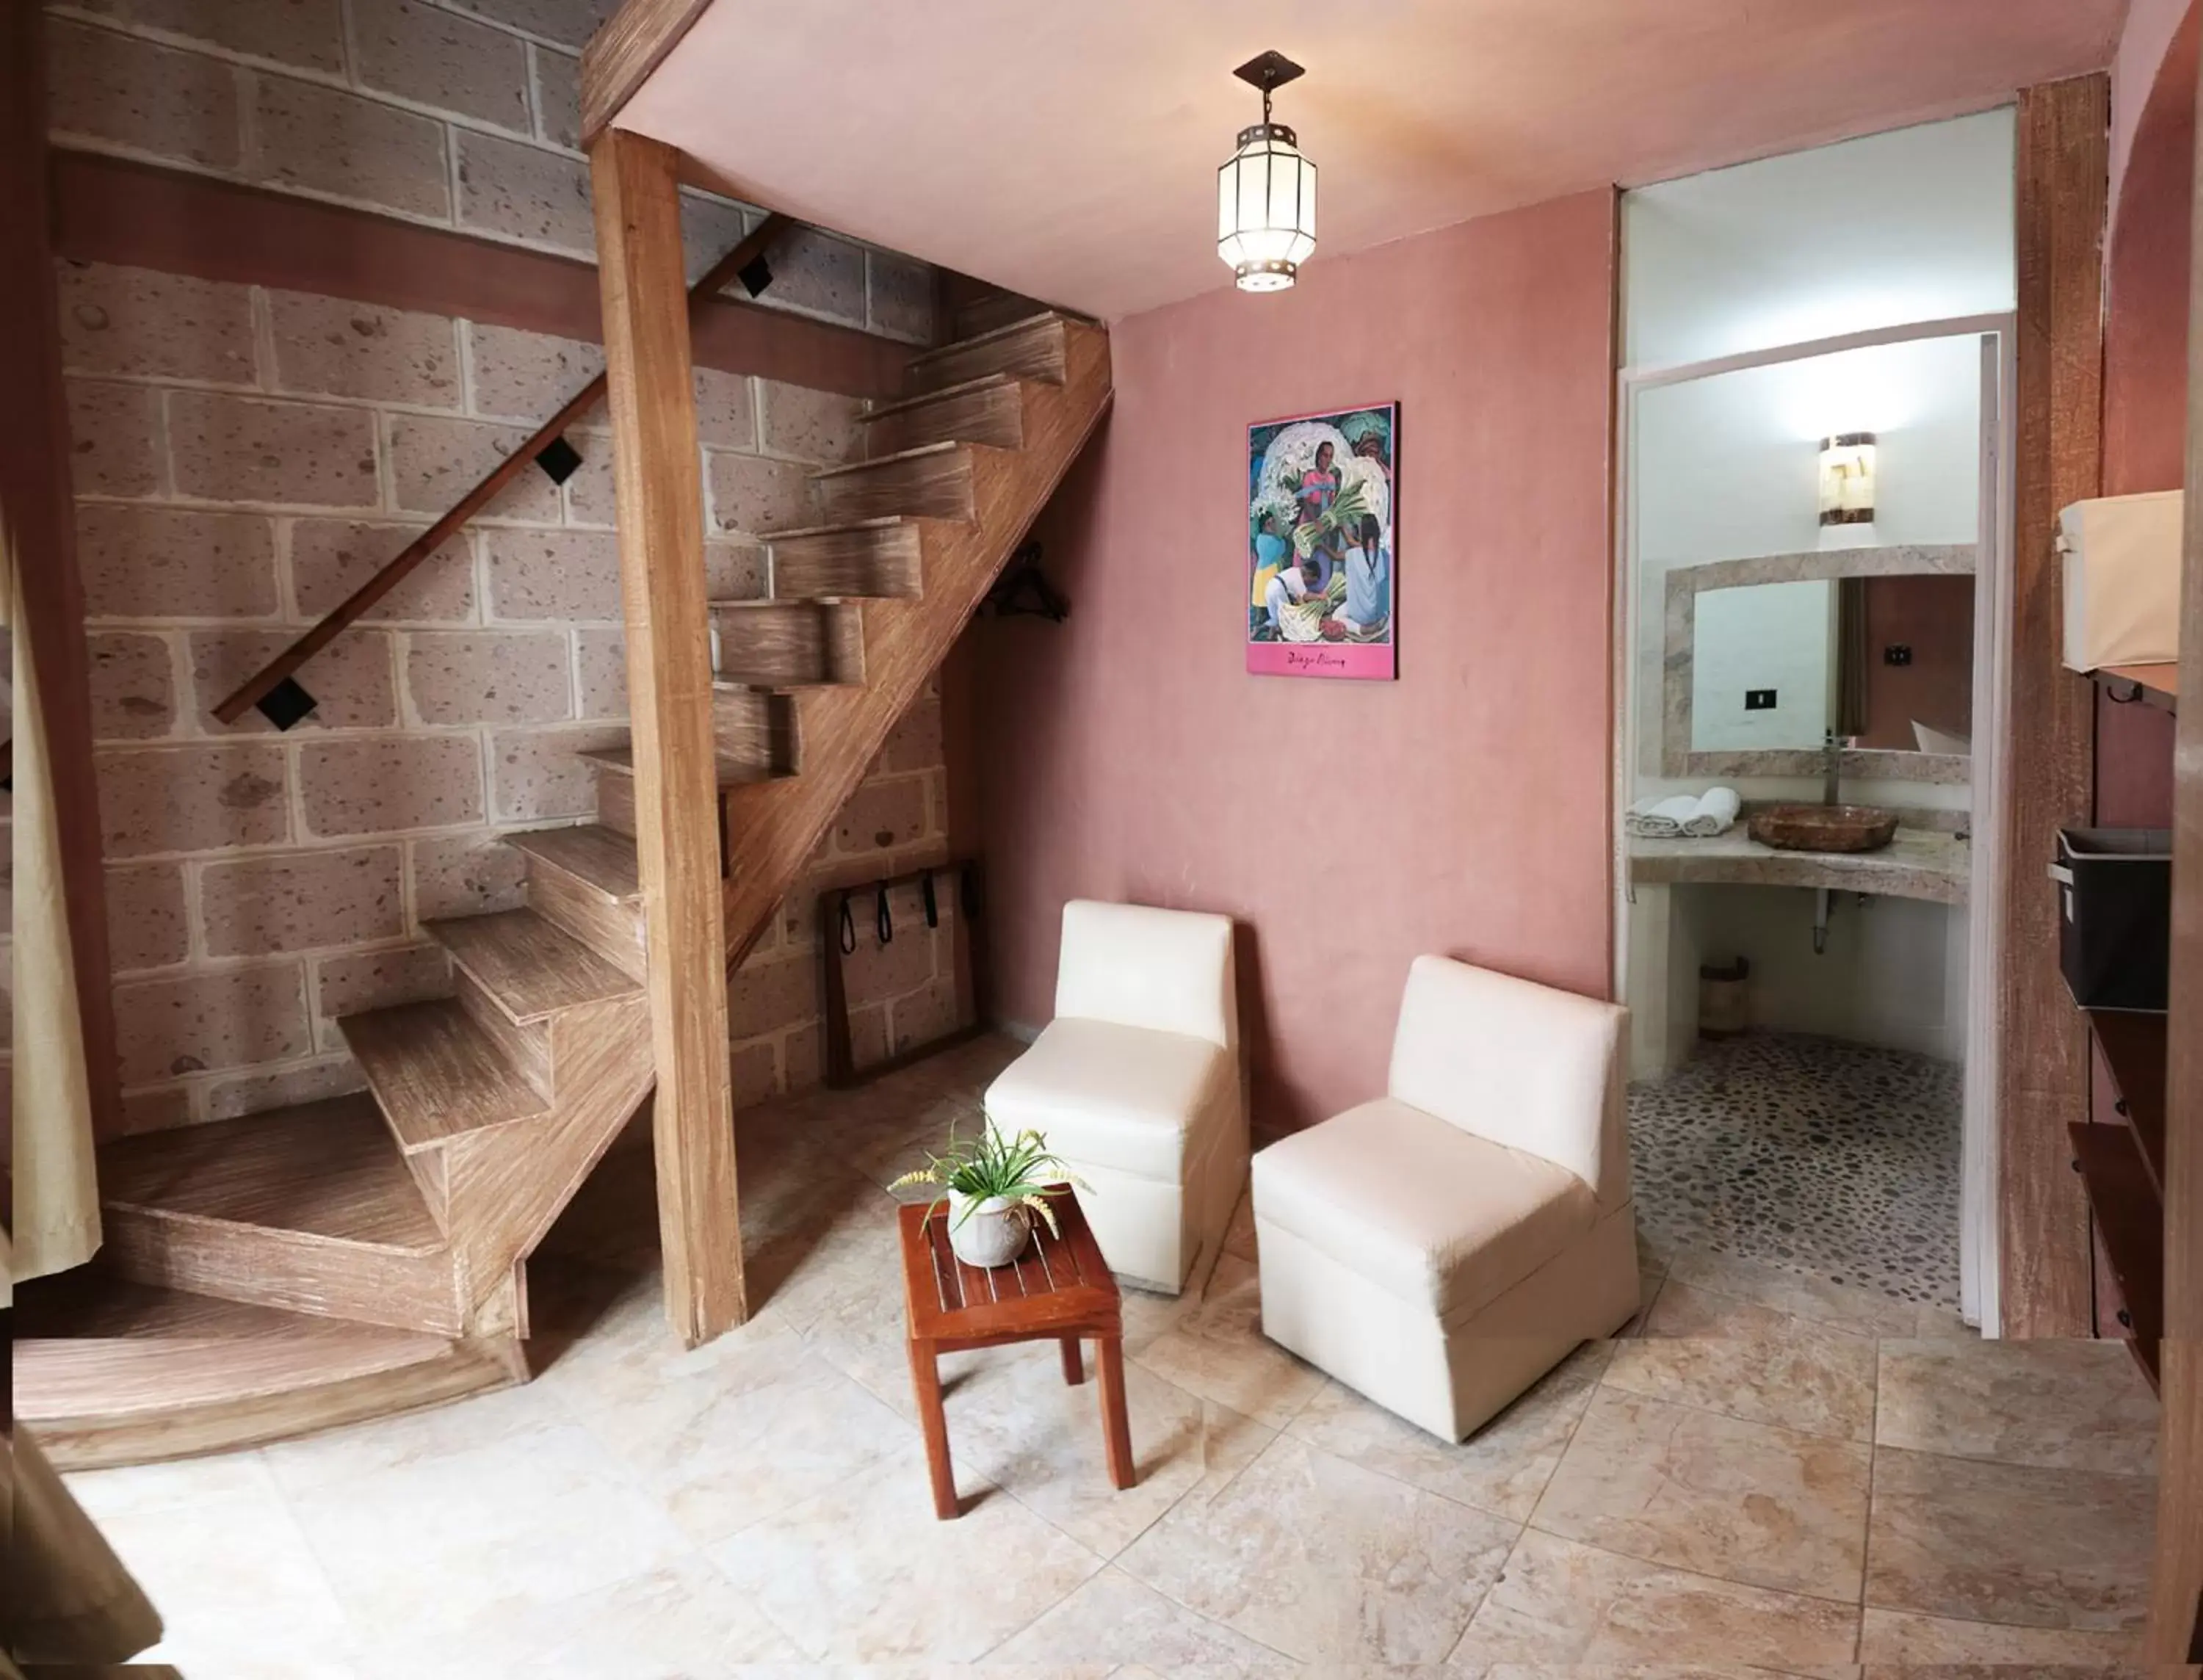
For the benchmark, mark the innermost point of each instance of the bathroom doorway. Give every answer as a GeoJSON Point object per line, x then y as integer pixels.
{"type": "Point", "coordinates": [1811, 554]}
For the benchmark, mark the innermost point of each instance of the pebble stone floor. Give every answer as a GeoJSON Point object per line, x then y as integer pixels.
{"type": "Point", "coordinates": [1768, 1473]}
{"type": "Point", "coordinates": [1836, 1160]}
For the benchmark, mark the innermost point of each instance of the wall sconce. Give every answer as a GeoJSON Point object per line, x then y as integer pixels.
{"type": "Point", "coordinates": [1847, 479]}
{"type": "Point", "coordinates": [1266, 192]}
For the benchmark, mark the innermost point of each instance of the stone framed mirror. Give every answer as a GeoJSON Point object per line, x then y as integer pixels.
{"type": "Point", "coordinates": [1764, 656]}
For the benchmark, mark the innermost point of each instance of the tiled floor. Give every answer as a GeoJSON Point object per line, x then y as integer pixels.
{"type": "Point", "coordinates": [1818, 1156]}
{"type": "Point", "coordinates": [1779, 1473]}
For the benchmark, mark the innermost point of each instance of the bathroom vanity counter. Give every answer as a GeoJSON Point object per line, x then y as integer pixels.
{"type": "Point", "coordinates": [1926, 863]}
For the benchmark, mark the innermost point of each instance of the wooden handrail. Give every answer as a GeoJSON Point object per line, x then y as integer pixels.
{"type": "Point", "coordinates": [394, 570]}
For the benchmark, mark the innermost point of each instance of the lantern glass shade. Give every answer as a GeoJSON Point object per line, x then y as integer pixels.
{"type": "Point", "coordinates": [1847, 462]}
{"type": "Point", "coordinates": [1265, 209]}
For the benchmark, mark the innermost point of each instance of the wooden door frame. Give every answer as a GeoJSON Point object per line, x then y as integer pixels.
{"type": "Point", "coordinates": [658, 470]}
{"type": "Point", "coordinates": [2175, 1616]}
{"type": "Point", "coordinates": [2061, 194]}
{"type": "Point", "coordinates": [1992, 575]}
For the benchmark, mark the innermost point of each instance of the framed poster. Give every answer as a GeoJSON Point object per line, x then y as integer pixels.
{"type": "Point", "coordinates": [1323, 491]}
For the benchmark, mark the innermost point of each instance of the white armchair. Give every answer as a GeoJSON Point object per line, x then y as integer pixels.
{"type": "Point", "coordinates": [1441, 1248]}
{"type": "Point", "coordinates": [1137, 1084]}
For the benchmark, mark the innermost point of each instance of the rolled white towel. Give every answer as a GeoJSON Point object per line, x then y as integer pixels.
{"type": "Point", "coordinates": [1660, 819]}
{"type": "Point", "coordinates": [1716, 812]}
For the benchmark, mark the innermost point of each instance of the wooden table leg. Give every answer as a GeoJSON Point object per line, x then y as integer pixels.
{"type": "Point", "coordinates": [925, 1379]}
{"type": "Point", "coordinates": [1074, 1368]}
{"type": "Point", "coordinates": [1116, 1428]}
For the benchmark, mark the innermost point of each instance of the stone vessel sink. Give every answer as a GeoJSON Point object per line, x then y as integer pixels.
{"type": "Point", "coordinates": [1822, 827]}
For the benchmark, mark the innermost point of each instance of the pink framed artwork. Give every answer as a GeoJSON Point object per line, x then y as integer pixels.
{"type": "Point", "coordinates": [1322, 497]}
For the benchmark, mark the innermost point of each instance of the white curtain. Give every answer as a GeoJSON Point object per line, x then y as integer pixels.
{"type": "Point", "coordinates": [57, 1201]}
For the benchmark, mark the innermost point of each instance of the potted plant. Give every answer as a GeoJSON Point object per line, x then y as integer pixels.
{"type": "Point", "coordinates": [993, 1185]}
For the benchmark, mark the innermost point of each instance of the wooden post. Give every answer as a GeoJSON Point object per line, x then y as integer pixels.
{"type": "Point", "coordinates": [660, 478]}
{"type": "Point", "coordinates": [2176, 1610]}
{"type": "Point", "coordinates": [34, 489]}
{"type": "Point", "coordinates": [2064, 141]}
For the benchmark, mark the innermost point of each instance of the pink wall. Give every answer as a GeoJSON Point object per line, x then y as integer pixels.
{"type": "Point", "coordinates": [2145, 352]}
{"type": "Point", "coordinates": [1462, 809]}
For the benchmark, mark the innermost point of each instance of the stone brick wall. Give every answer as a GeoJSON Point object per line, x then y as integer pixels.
{"type": "Point", "coordinates": [244, 457]}
{"type": "Point", "coordinates": [461, 113]}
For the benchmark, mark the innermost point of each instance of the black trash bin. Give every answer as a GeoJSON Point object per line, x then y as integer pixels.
{"type": "Point", "coordinates": [2115, 925]}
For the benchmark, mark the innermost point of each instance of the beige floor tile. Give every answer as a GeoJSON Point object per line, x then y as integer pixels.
{"type": "Point", "coordinates": [1799, 1376]}
{"type": "Point", "coordinates": [1015, 1421]}
{"type": "Point", "coordinates": [620, 1346]}
{"type": "Point", "coordinates": [1863, 1312]}
{"type": "Point", "coordinates": [416, 1439]}
{"type": "Point", "coordinates": [537, 1519]}
{"type": "Point", "coordinates": [1563, 1603]}
{"type": "Point", "coordinates": [1325, 1561]}
{"type": "Point", "coordinates": [1649, 1282]}
{"type": "Point", "coordinates": [1113, 1619]}
{"type": "Point", "coordinates": [1747, 1502]}
{"type": "Point", "coordinates": [866, 1573]}
{"type": "Point", "coordinates": [107, 1494]}
{"type": "Point", "coordinates": [680, 1619]}
{"type": "Point", "coordinates": [2061, 1404]}
{"type": "Point", "coordinates": [854, 1257]}
{"type": "Point", "coordinates": [1501, 1468]}
{"type": "Point", "coordinates": [238, 1589]}
{"type": "Point", "coordinates": [1894, 1637]}
{"type": "Point", "coordinates": [1937, 1324]}
{"type": "Point", "coordinates": [2012, 1543]}
{"type": "Point", "coordinates": [754, 1435]}
{"type": "Point", "coordinates": [1214, 1347]}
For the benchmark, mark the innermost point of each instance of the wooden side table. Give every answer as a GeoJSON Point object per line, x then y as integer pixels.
{"type": "Point", "coordinates": [1058, 1290]}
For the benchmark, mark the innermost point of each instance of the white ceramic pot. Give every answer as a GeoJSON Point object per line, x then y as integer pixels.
{"type": "Point", "coordinates": [989, 1233]}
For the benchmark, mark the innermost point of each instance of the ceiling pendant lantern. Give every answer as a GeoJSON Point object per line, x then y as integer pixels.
{"type": "Point", "coordinates": [1266, 193]}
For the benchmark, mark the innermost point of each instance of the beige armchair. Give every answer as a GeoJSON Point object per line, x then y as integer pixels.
{"type": "Point", "coordinates": [1441, 1248]}
{"type": "Point", "coordinates": [1136, 1084]}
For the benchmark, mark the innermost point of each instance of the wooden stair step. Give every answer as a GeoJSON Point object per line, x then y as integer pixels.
{"type": "Point", "coordinates": [600, 860]}
{"type": "Point", "coordinates": [789, 644]}
{"type": "Point", "coordinates": [992, 311]}
{"type": "Point", "coordinates": [989, 410]}
{"type": "Point", "coordinates": [615, 772]}
{"type": "Point", "coordinates": [1035, 348]}
{"type": "Point", "coordinates": [757, 727]}
{"type": "Point", "coordinates": [528, 965]}
{"type": "Point", "coordinates": [587, 880]}
{"type": "Point", "coordinates": [437, 1073]}
{"type": "Point", "coordinates": [325, 1169]}
{"type": "Point", "coordinates": [111, 1372]}
{"type": "Point", "coordinates": [869, 558]}
{"type": "Point", "coordinates": [309, 1209]}
{"type": "Point", "coordinates": [933, 482]}
{"type": "Point", "coordinates": [617, 764]}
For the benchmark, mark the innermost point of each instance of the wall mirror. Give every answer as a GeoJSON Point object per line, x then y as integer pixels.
{"type": "Point", "coordinates": [1765, 657]}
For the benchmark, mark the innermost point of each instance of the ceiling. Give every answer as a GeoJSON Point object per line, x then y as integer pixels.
{"type": "Point", "coordinates": [1068, 152]}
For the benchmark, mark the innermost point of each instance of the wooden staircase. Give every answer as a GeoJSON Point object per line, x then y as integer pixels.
{"type": "Point", "coordinates": [340, 1260]}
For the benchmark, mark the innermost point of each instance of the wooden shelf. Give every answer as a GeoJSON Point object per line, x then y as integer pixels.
{"type": "Point", "coordinates": [2153, 684]}
{"type": "Point", "coordinates": [2133, 1047]}
{"type": "Point", "coordinates": [2130, 1219]}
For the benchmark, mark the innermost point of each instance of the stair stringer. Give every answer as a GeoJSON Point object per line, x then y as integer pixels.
{"type": "Point", "coordinates": [507, 1186]}
{"type": "Point", "coordinates": [773, 826]}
